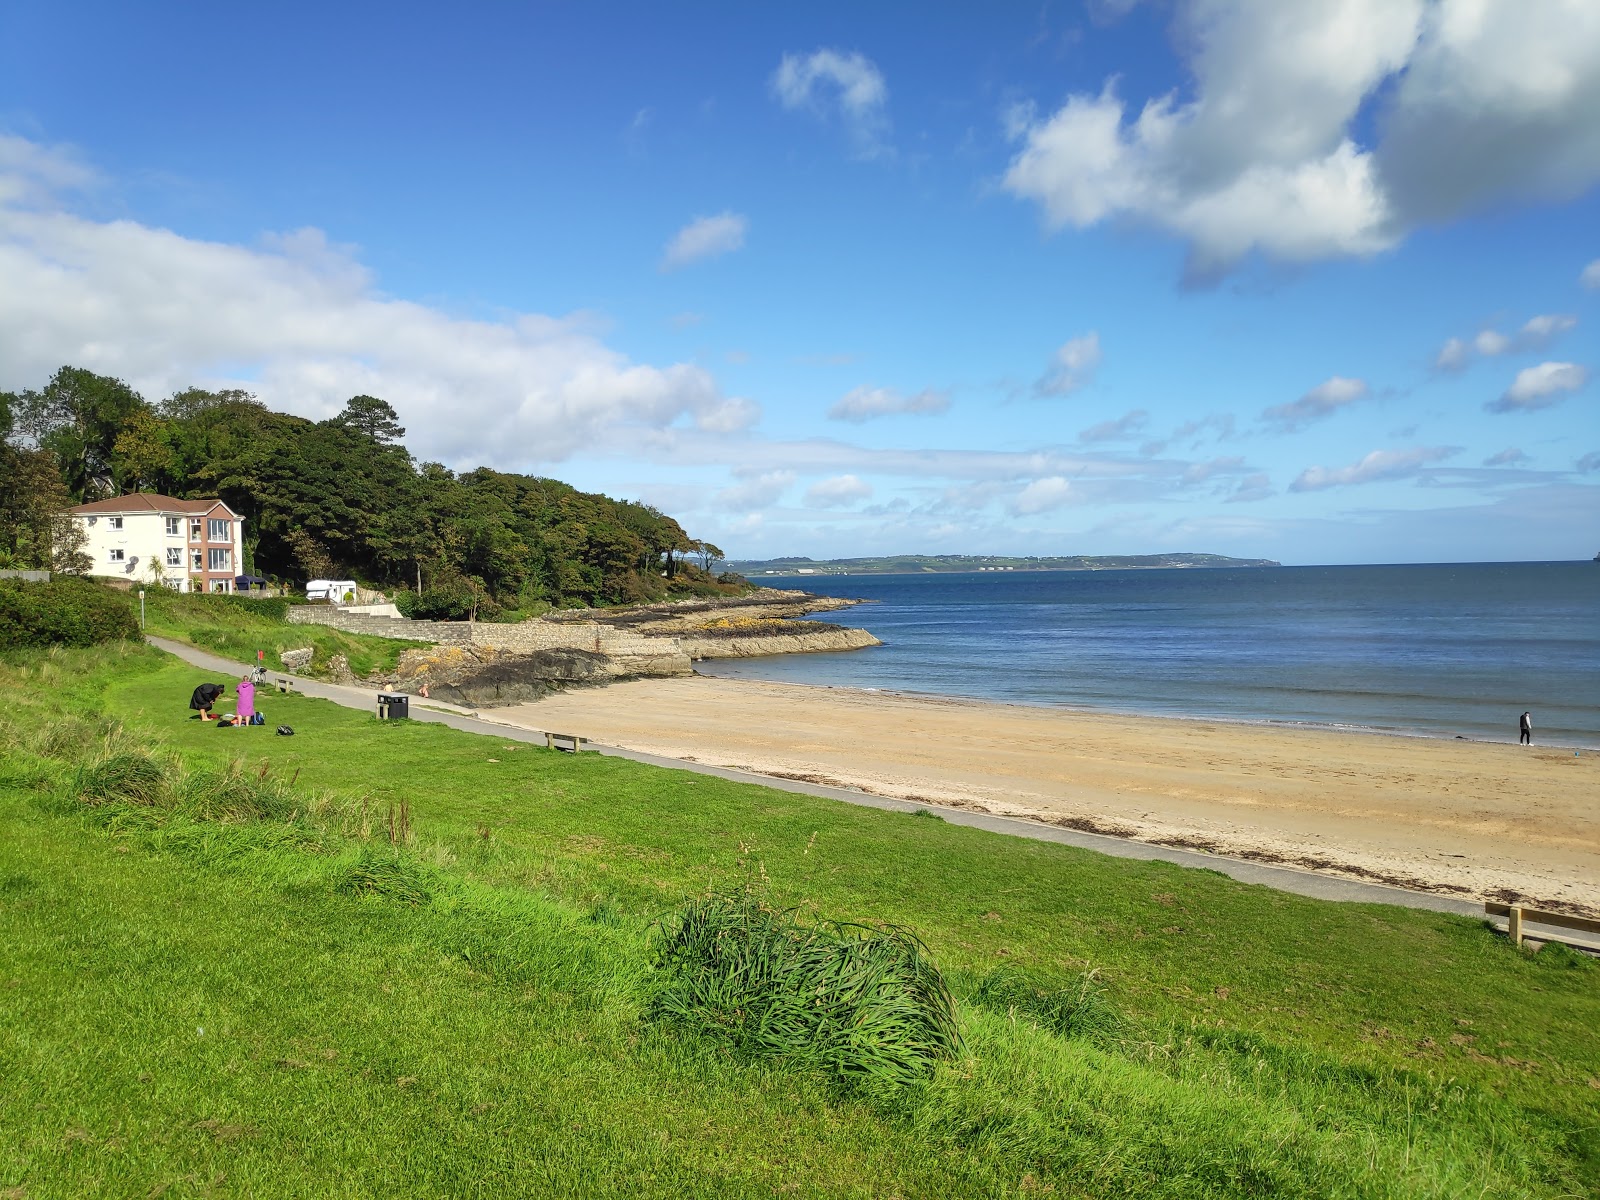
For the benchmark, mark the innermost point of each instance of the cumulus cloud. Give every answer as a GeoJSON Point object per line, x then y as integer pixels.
{"type": "Point", "coordinates": [1073, 366]}
{"type": "Point", "coordinates": [1535, 334]}
{"type": "Point", "coordinates": [1377, 466]}
{"type": "Point", "coordinates": [756, 490]}
{"type": "Point", "coordinates": [1476, 101]}
{"type": "Point", "coordinates": [1540, 387]}
{"type": "Point", "coordinates": [1509, 457]}
{"type": "Point", "coordinates": [865, 403]}
{"type": "Point", "coordinates": [703, 238]}
{"type": "Point", "coordinates": [1126, 426]}
{"type": "Point", "coordinates": [300, 322]}
{"type": "Point", "coordinates": [837, 492]}
{"type": "Point", "coordinates": [827, 81]}
{"type": "Point", "coordinates": [1591, 275]}
{"type": "Point", "coordinates": [1321, 401]}
{"type": "Point", "coordinates": [1042, 495]}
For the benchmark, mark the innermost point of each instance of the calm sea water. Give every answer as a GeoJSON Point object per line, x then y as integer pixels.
{"type": "Point", "coordinates": [1435, 650]}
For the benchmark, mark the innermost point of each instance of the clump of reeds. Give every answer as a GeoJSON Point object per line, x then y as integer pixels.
{"type": "Point", "coordinates": [865, 1005]}
{"type": "Point", "coordinates": [377, 873]}
{"type": "Point", "coordinates": [1074, 1008]}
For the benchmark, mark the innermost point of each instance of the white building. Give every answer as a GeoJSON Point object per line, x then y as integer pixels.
{"type": "Point", "coordinates": [197, 545]}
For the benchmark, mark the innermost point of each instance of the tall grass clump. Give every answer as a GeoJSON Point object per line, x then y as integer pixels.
{"type": "Point", "coordinates": [233, 794]}
{"type": "Point", "coordinates": [863, 1005]}
{"type": "Point", "coordinates": [1078, 1008]}
{"type": "Point", "coordinates": [385, 873]}
{"type": "Point", "coordinates": [123, 776]}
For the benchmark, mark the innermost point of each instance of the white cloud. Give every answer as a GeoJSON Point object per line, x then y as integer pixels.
{"type": "Point", "coordinates": [1491, 342]}
{"type": "Point", "coordinates": [1126, 426]}
{"type": "Point", "coordinates": [758, 489]}
{"type": "Point", "coordinates": [1252, 488]}
{"type": "Point", "coordinates": [865, 403]}
{"type": "Point", "coordinates": [1042, 495]}
{"type": "Point", "coordinates": [1201, 471]}
{"type": "Point", "coordinates": [1536, 333]}
{"type": "Point", "coordinates": [301, 323]}
{"type": "Point", "coordinates": [1073, 366]}
{"type": "Point", "coordinates": [705, 237]}
{"type": "Point", "coordinates": [1493, 99]}
{"type": "Point", "coordinates": [1591, 275]}
{"type": "Point", "coordinates": [837, 492]}
{"type": "Point", "coordinates": [1540, 387]}
{"type": "Point", "coordinates": [1379, 465]}
{"type": "Point", "coordinates": [1509, 457]}
{"type": "Point", "coordinates": [828, 79]}
{"type": "Point", "coordinates": [1321, 401]}
{"type": "Point", "coordinates": [1453, 355]}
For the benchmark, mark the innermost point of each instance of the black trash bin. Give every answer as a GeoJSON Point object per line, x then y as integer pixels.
{"type": "Point", "coordinates": [393, 706]}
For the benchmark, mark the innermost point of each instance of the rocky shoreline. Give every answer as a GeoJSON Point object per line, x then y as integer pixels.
{"type": "Point", "coordinates": [593, 647]}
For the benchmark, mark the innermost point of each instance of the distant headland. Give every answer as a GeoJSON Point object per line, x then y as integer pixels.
{"type": "Point", "coordinates": [914, 564]}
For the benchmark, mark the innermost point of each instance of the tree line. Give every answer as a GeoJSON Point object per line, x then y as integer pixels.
{"type": "Point", "coordinates": [341, 498]}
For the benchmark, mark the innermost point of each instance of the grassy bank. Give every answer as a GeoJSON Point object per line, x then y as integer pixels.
{"type": "Point", "coordinates": [237, 626]}
{"type": "Point", "coordinates": [246, 988]}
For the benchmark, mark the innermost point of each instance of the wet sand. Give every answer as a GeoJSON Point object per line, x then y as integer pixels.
{"type": "Point", "coordinates": [1475, 820]}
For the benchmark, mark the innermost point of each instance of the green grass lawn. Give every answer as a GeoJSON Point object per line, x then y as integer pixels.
{"type": "Point", "coordinates": [195, 1006]}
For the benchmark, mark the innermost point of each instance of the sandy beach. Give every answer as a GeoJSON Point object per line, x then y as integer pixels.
{"type": "Point", "coordinates": [1476, 820]}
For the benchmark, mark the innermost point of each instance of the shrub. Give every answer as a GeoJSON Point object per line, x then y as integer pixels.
{"type": "Point", "coordinates": [864, 1005]}
{"type": "Point", "coordinates": [63, 612]}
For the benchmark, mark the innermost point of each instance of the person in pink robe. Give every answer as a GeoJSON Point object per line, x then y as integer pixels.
{"type": "Point", "coordinates": [247, 701]}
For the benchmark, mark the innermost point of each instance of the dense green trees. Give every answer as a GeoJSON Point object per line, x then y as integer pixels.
{"type": "Point", "coordinates": [336, 498]}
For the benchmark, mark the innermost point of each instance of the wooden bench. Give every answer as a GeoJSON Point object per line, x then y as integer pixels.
{"type": "Point", "coordinates": [575, 743]}
{"type": "Point", "coordinates": [283, 685]}
{"type": "Point", "coordinates": [1515, 916]}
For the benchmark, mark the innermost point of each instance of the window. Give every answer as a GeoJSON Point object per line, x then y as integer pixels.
{"type": "Point", "coordinates": [222, 585]}
{"type": "Point", "coordinates": [219, 531]}
{"type": "Point", "coordinates": [197, 561]}
{"type": "Point", "coordinates": [173, 529]}
{"type": "Point", "coordinates": [119, 556]}
{"type": "Point", "coordinates": [115, 522]}
{"type": "Point", "coordinates": [195, 526]}
{"type": "Point", "coordinates": [219, 559]}
{"type": "Point", "coordinates": [174, 556]}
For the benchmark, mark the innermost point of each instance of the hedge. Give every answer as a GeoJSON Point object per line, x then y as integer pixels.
{"type": "Point", "coordinates": [63, 612]}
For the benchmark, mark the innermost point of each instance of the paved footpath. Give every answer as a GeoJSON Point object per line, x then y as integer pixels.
{"type": "Point", "coordinates": [1285, 879]}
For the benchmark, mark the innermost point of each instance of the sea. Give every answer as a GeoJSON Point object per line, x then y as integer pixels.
{"type": "Point", "coordinates": [1436, 650]}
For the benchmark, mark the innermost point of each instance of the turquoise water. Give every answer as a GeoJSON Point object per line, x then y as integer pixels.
{"type": "Point", "coordinates": [1439, 650]}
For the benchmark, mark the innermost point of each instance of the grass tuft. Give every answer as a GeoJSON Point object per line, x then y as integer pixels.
{"type": "Point", "coordinates": [123, 777]}
{"type": "Point", "coordinates": [864, 1005]}
{"type": "Point", "coordinates": [377, 873]}
{"type": "Point", "coordinates": [1075, 1009]}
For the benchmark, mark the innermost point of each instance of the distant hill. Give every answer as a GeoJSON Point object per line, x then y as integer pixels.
{"type": "Point", "coordinates": [913, 564]}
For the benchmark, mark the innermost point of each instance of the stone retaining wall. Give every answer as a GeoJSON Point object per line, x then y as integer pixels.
{"type": "Point", "coordinates": [441, 633]}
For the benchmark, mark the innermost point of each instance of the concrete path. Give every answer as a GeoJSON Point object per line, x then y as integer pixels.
{"type": "Point", "coordinates": [1286, 879]}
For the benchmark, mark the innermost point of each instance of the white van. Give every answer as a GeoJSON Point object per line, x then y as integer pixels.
{"type": "Point", "coordinates": [334, 590]}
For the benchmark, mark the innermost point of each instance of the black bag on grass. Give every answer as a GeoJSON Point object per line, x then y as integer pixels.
{"type": "Point", "coordinates": [285, 731]}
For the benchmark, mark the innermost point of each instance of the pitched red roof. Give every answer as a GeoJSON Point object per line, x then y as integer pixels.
{"type": "Point", "coordinates": [147, 502]}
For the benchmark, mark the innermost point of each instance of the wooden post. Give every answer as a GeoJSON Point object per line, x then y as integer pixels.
{"type": "Point", "coordinates": [1514, 925]}
{"type": "Point", "coordinates": [549, 741]}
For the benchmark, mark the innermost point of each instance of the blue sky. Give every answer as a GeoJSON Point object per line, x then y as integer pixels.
{"type": "Point", "coordinates": [1318, 282]}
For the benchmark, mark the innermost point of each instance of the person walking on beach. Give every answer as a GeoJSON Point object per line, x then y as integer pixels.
{"type": "Point", "coordinates": [1525, 730]}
